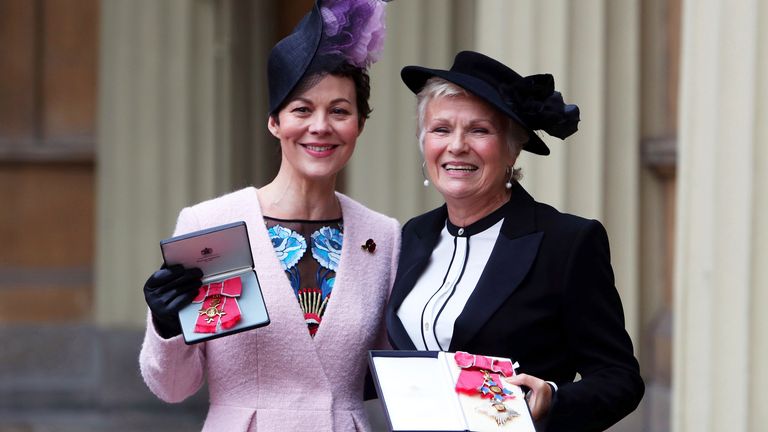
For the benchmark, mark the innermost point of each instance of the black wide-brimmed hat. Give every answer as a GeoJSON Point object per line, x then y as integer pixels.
{"type": "Point", "coordinates": [333, 32]}
{"type": "Point", "coordinates": [530, 101]}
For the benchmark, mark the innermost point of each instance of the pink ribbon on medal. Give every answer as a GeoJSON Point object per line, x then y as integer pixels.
{"type": "Point", "coordinates": [219, 305]}
{"type": "Point", "coordinates": [472, 376]}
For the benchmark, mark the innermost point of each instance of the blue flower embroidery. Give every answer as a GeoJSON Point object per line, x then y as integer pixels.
{"type": "Point", "coordinates": [288, 244]}
{"type": "Point", "coordinates": [326, 247]}
{"type": "Point", "coordinates": [326, 286]}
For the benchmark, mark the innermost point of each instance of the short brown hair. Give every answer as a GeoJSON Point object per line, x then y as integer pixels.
{"type": "Point", "coordinates": [358, 76]}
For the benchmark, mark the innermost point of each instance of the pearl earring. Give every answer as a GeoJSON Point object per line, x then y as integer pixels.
{"type": "Point", "coordinates": [508, 184]}
{"type": "Point", "coordinates": [426, 180]}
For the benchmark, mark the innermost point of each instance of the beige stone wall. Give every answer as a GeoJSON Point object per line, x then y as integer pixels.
{"type": "Point", "coordinates": [720, 339]}
{"type": "Point", "coordinates": [172, 132]}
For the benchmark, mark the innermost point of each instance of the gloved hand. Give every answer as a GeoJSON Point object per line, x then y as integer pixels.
{"type": "Point", "coordinates": [166, 292]}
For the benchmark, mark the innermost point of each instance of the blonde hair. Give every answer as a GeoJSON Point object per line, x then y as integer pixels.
{"type": "Point", "coordinates": [515, 135]}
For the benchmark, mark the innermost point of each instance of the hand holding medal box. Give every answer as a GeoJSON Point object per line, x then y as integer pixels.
{"type": "Point", "coordinates": [440, 391]}
{"type": "Point", "coordinates": [482, 378]}
{"type": "Point", "coordinates": [230, 299]}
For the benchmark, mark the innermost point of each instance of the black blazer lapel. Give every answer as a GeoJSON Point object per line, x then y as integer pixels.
{"type": "Point", "coordinates": [511, 259]}
{"type": "Point", "coordinates": [509, 263]}
{"type": "Point", "coordinates": [420, 236]}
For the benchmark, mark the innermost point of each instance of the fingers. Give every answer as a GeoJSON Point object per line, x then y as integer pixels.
{"type": "Point", "coordinates": [171, 288]}
{"type": "Point", "coordinates": [522, 380]}
{"type": "Point", "coordinates": [189, 280]}
{"type": "Point", "coordinates": [174, 277]}
{"type": "Point", "coordinates": [179, 301]}
{"type": "Point", "coordinates": [164, 275]}
{"type": "Point", "coordinates": [179, 292]}
{"type": "Point", "coordinates": [540, 396]}
{"type": "Point", "coordinates": [537, 404]}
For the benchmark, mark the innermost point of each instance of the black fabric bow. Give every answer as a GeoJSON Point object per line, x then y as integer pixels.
{"type": "Point", "coordinates": [539, 106]}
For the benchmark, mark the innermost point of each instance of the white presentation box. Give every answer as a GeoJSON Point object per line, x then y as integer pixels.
{"type": "Point", "coordinates": [230, 300]}
{"type": "Point", "coordinates": [418, 392]}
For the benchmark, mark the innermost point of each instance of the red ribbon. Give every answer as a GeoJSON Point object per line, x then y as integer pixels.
{"type": "Point", "coordinates": [473, 368]}
{"type": "Point", "coordinates": [219, 305]}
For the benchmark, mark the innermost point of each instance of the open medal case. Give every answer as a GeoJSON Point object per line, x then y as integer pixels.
{"type": "Point", "coordinates": [230, 300]}
{"type": "Point", "coordinates": [420, 391]}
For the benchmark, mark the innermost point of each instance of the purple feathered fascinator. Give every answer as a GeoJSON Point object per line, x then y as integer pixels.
{"type": "Point", "coordinates": [354, 30]}
{"type": "Point", "coordinates": [334, 31]}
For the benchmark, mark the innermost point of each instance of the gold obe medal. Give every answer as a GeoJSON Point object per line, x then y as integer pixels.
{"type": "Point", "coordinates": [212, 311]}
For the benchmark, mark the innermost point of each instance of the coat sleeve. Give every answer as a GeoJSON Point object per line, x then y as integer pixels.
{"type": "Point", "coordinates": [172, 370]}
{"type": "Point", "coordinates": [610, 385]}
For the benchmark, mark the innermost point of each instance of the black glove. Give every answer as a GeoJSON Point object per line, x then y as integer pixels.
{"type": "Point", "coordinates": [166, 292]}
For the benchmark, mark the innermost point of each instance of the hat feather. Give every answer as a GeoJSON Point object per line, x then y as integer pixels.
{"type": "Point", "coordinates": [354, 30]}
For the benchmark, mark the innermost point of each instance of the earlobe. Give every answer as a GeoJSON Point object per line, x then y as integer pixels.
{"type": "Point", "coordinates": [512, 158]}
{"type": "Point", "coordinates": [273, 126]}
{"type": "Point", "coordinates": [362, 126]}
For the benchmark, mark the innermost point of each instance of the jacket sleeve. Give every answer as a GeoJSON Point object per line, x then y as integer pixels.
{"type": "Point", "coordinates": [172, 370]}
{"type": "Point", "coordinates": [610, 385]}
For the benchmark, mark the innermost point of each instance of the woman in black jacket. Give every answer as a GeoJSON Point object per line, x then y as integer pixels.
{"type": "Point", "coordinates": [494, 272]}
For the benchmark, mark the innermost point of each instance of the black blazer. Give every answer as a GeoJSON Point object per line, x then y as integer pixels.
{"type": "Point", "coordinates": [545, 299]}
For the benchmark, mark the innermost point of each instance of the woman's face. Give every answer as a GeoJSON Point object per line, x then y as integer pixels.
{"type": "Point", "coordinates": [465, 149]}
{"type": "Point", "coordinates": [318, 129]}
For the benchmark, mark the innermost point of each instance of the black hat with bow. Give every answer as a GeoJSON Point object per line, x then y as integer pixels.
{"type": "Point", "coordinates": [530, 101]}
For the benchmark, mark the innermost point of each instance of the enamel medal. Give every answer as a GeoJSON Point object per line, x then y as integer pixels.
{"type": "Point", "coordinates": [497, 409]}
{"type": "Point", "coordinates": [482, 376]}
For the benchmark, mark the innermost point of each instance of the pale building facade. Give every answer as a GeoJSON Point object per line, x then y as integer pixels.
{"type": "Point", "coordinates": [670, 156]}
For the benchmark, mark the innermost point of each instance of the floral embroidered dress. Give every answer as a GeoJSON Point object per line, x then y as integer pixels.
{"type": "Point", "coordinates": [309, 252]}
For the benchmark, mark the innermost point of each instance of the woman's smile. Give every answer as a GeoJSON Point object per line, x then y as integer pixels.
{"type": "Point", "coordinates": [318, 129]}
{"type": "Point", "coordinates": [319, 150]}
{"type": "Point", "coordinates": [465, 149]}
{"type": "Point", "coordinates": [459, 169]}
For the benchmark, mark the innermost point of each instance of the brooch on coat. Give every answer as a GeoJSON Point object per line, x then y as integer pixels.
{"type": "Point", "coordinates": [369, 246]}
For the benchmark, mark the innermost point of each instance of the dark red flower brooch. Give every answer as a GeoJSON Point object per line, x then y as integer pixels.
{"type": "Point", "coordinates": [369, 246]}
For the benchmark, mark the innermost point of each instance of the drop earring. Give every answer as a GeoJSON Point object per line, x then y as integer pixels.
{"type": "Point", "coordinates": [426, 180]}
{"type": "Point", "coordinates": [508, 184]}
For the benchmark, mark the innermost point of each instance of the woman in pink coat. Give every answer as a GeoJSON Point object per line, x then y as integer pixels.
{"type": "Point", "coordinates": [325, 262]}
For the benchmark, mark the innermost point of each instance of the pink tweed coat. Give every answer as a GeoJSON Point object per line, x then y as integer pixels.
{"type": "Point", "coordinates": [278, 378]}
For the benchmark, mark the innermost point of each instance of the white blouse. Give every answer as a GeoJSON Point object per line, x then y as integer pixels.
{"type": "Point", "coordinates": [430, 310]}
